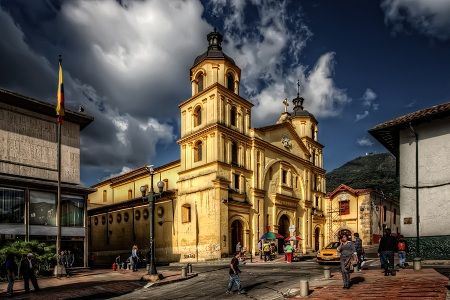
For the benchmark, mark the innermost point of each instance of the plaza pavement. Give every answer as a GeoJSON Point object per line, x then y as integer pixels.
{"type": "Point", "coordinates": [271, 280]}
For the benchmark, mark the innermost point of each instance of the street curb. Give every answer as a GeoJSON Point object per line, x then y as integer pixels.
{"type": "Point", "coordinates": [159, 283]}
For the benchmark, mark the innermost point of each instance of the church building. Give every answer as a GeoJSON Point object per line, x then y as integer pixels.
{"type": "Point", "coordinates": [232, 183]}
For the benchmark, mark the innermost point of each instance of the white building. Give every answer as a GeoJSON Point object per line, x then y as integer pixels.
{"type": "Point", "coordinates": [425, 133]}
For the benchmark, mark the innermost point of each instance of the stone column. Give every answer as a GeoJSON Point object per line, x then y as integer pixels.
{"type": "Point", "coordinates": [215, 73]}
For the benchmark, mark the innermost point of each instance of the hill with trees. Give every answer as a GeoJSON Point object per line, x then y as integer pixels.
{"type": "Point", "coordinates": [375, 171]}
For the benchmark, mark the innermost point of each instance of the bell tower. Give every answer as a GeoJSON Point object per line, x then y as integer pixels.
{"type": "Point", "coordinates": [215, 149]}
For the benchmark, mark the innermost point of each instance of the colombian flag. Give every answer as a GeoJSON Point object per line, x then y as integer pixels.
{"type": "Point", "coordinates": [60, 96]}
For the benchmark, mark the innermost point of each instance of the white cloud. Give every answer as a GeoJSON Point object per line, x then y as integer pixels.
{"type": "Point", "coordinates": [359, 117]}
{"type": "Point", "coordinates": [368, 97]}
{"type": "Point", "coordinates": [261, 50]}
{"type": "Point", "coordinates": [430, 17]}
{"type": "Point", "coordinates": [364, 142]}
{"type": "Point", "coordinates": [375, 106]}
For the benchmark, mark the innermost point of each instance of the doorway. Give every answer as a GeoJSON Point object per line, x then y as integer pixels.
{"type": "Point", "coordinates": [317, 239]}
{"type": "Point", "coordinates": [237, 235]}
{"type": "Point", "coordinates": [283, 229]}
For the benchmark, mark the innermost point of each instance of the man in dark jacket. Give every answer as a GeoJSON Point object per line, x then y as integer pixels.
{"type": "Point", "coordinates": [387, 247]}
{"type": "Point", "coordinates": [28, 270]}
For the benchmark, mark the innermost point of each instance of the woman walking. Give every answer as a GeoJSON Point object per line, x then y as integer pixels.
{"type": "Point", "coordinates": [134, 257]}
{"type": "Point", "coordinates": [348, 253]}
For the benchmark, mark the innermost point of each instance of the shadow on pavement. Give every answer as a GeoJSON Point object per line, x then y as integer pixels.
{"type": "Point", "coordinates": [85, 290]}
{"type": "Point", "coordinates": [252, 286]}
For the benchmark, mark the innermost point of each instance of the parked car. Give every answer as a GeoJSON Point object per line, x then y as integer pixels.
{"type": "Point", "coordinates": [329, 253]}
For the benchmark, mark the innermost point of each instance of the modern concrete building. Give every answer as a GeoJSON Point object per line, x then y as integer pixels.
{"type": "Point", "coordinates": [365, 211]}
{"type": "Point", "coordinates": [421, 143]}
{"type": "Point", "coordinates": [232, 182]}
{"type": "Point", "coordinates": [28, 174]}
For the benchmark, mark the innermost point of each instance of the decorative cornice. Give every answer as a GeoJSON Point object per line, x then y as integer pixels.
{"type": "Point", "coordinates": [223, 90]}
{"type": "Point", "coordinates": [258, 142]}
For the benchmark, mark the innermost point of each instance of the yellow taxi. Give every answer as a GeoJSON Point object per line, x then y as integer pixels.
{"type": "Point", "coordinates": [329, 253]}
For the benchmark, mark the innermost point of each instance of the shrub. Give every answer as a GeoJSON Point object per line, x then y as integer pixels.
{"type": "Point", "coordinates": [43, 253]}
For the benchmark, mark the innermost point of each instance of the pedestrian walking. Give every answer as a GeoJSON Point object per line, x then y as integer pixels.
{"type": "Point", "coordinates": [28, 267]}
{"type": "Point", "coordinates": [359, 250]}
{"type": "Point", "coordinates": [288, 249]}
{"type": "Point", "coordinates": [348, 258]}
{"type": "Point", "coordinates": [402, 247]}
{"type": "Point", "coordinates": [134, 257]}
{"type": "Point", "coordinates": [387, 248]}
{"type": "Point", "coordinates": [11, 273]}
{"type": "Point", "coordinates": [234, 275]}
{"type": "Point", "coordinates": [260, 249]}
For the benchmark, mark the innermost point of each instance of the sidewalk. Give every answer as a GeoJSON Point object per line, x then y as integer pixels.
{"type": "Point", "coordinates": [98, 284]}
{"type": "Point", "coordinates": [372, 284]}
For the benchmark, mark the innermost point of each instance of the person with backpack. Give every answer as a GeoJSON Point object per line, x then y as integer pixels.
{"type": "Point", "coordinates": [402, 247]}
{"type": "Point", "coordinates": [11, 273]}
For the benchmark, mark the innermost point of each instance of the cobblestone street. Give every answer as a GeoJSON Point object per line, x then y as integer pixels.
{"type": "Point", "coordinates": [273, 280]}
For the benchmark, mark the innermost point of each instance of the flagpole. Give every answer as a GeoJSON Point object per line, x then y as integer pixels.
{"type": "Point", "coordinates": [58, 206]}
{"type": "Point", "coordinates": [59, 269]}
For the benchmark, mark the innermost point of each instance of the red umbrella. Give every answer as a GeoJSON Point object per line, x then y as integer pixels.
{"type": "Point", "coordinates": [293, 238]}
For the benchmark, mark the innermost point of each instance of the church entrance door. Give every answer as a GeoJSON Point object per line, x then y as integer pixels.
{"type": "Point", "coordinates": [283, 229]}
{"type": "Point", "coordinates": [317, 239]}
{"type": "Point", "coordinates": [237, 235]}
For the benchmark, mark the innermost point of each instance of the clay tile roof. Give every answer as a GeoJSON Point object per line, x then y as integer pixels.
{"type": "Point", "coordinates": [387, 133]}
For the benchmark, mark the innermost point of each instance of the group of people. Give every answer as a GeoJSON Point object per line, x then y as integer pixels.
{"type": "Point", "coordinates": [267, 249]}
{"type": "Point", "coordinates": [389, 245]}
{"type": "Point", "coordinates": [28, 266]}
{"type": "Point", "coordinates": [351, 254]}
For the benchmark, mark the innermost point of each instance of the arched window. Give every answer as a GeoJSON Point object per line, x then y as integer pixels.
{"type": "Point", "coordinates": [233, 114]}
{"type": "Point", "coordinates": [230, 82]}
{"type": "Point", "coordinates": [198, 116]}
{"type": "Point", "coordinates": [104, 196]}
{"type": "Point", "coordinates": [200, 83]}
{"type": "Point", "coordinates": [130, 194]}
{"type": "Point", "coordinates": [198, 151]}
{"type": "Point", "coordinates": [313, 133]}
{"type": "Point", "coordinates": [313, 157]}
{"type": "Point", "coordinates": [234, 153]}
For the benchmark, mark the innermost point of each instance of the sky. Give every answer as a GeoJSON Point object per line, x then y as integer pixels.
{"type": "Point", "coordinates": [359, 63]}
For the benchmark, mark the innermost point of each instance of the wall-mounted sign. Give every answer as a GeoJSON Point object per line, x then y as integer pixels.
{"type": "Point", "coordinates": [407, 220]}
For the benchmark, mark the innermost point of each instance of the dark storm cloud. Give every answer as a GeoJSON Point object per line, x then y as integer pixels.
{"type": "Point", "coordinates": [127, 63]}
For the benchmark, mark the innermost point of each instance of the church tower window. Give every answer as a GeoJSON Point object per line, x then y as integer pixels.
{"type": "Point", "coordinates": [200, 83]}
{"type": "Point", "coordinates": [233, 116]}
{"type": "Point", "coordinates": [198, 116]}
{"type": "Point", "coordinates": [230, 82]}
{"type": "Point", "coordinates": [198, 151]}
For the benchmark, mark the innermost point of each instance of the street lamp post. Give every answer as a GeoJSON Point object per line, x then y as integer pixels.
{"type": "Point", "coordinates": [151, 202]}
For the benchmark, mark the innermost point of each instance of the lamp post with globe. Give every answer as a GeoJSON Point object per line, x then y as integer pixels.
{"type": "Point", "coordinates": [151, 202]}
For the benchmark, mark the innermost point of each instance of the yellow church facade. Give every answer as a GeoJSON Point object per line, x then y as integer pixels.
{"type": "Point", "coordinates": [232, 182]}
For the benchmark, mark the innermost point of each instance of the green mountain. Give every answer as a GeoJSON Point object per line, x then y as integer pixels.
{"type": "Point", "coordinates": [375, 171]}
